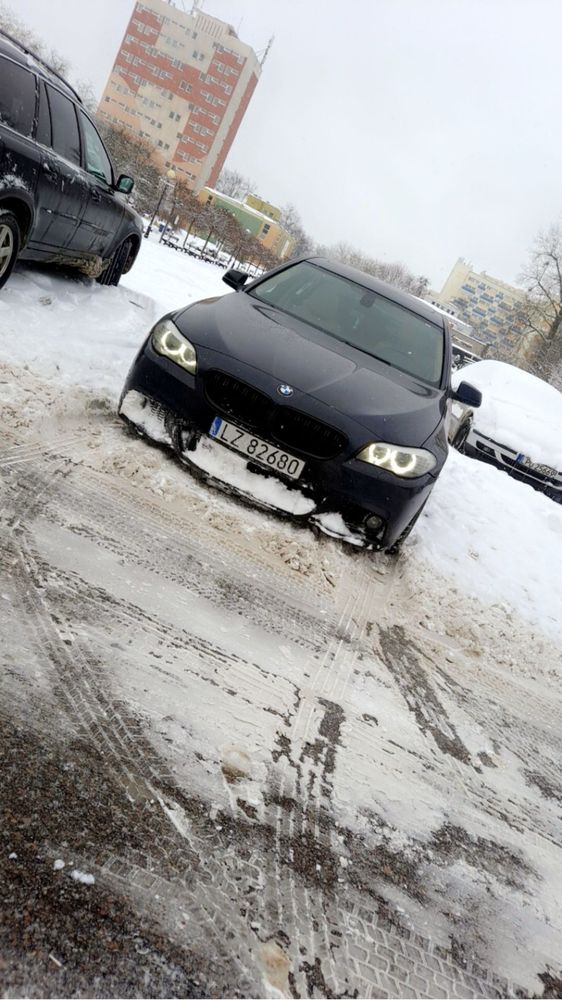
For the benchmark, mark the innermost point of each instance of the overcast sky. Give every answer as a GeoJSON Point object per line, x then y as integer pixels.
{"type": "Point", "coordinates": [419, 130]}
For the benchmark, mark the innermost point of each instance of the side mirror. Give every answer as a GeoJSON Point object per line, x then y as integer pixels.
{"type": "Point", "coordinates": [467, 394]}
{"type": "Point", "coordinates": [236, 279]}
{"type": "Point", "coordinates": [125, 184]}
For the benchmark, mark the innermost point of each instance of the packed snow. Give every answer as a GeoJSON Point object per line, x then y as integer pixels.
{"type": "Point", "coordinates": [518, 410]}
{"type": "Point", "coordinates": [84, 877]}
{"type": "Point", "coordinates": [138, 409]}
{"type": "Point", "coordinates": [221, 464]}
{"type": "Point", "coordinates": [252, 692]}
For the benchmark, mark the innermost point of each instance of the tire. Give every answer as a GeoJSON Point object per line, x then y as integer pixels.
{"type": "Point", "coordinates": [115, 268]}
{"type": "Point", "coordinates": [10, 243]}
{"type": "Point", "coordinates": [460, 438]}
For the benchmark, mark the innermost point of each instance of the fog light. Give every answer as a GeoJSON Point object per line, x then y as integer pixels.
{"type": "Point", "coordinates": [374, 523]}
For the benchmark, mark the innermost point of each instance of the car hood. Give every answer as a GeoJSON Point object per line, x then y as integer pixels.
{"type": "Point", "coordinates": [313, 362]}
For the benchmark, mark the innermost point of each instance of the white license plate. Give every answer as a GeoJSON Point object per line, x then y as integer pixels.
{"type": "Point", "coordinates": [255, 449]}
{"type": "Point", "coordinates": [538, 467]}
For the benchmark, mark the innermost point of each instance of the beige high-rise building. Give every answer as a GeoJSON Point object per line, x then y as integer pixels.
{"type": "Point", "coordinates": [183, 82]}
{"type": "Point", "coordinates": [491, 306]}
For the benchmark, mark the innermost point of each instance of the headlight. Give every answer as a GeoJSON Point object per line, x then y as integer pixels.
{"type": "Point", "coordinates": [404, 462]}
{"type": "Point", "coordinates": [169, 342]}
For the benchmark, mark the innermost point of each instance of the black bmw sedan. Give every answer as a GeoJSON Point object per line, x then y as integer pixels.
{"type": "Point", "coordinates": [316, 391]}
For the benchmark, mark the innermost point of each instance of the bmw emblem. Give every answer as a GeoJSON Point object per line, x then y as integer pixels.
{"type": "Point", "coordinates": [285, 390]}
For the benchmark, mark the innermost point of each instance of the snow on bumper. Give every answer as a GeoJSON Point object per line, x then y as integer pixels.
{"type": "Point", "coordinates": [219, 463]}
{"type": "Point", "coordinates": [146, 415]}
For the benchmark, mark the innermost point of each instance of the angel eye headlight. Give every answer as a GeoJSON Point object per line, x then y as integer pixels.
{"type": "Point", "coordinates": [401, 461]}
{"type": "Point", "coordinates": [170, 343]}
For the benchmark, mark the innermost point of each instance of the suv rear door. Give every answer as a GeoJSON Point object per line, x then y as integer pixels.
{"type": "Point", "coordinates": [61, 192]}
{"type": "Point", "coordinates": [104, 209]}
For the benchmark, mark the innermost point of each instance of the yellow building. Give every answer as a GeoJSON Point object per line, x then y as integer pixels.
{"type": "Point", "coordinates": [263, 225]}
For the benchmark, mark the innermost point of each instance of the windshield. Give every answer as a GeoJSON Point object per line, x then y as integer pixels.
{"type": "Point", "coordinates": [359, 317]}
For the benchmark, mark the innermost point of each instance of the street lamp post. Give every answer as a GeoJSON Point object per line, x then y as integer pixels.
{"type": "Point", "coordinates": [171, 175]}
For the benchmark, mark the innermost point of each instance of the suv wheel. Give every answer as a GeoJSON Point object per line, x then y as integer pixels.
{"type": "Point", "coordinates": [460, 438]}
{"type": "Point", "coordinates": [10, 242]}
{"type": "Point", "coordinates": [116, 266]}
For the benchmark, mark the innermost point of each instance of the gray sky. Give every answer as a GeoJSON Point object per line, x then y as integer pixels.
{"type": "Point", "coordinates": [419, 130]}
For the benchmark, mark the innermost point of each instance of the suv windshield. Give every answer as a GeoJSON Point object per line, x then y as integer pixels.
{"type": "Point", "coordinates": [358, 316]}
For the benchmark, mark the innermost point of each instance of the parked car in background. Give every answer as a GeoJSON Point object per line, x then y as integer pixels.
{"type": "Point", "coordinates": [518, 428]}
{"type": "Point", "coordinates": [59, 198]}
{"type": "Point", "coordinates": [317, 391]}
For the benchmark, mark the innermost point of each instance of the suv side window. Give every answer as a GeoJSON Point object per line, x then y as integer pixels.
{"type": "Point", "coordinates": [43, 132]}
{"type": "Point", "coordinates": [97, 161]}
{"type": "Point", "coordinates": [66, 137]}
{"type": "Point", "coordinates": [17, 97]}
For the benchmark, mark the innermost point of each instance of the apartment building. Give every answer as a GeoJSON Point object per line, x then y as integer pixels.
{"type": "Point", "coordinates": [490, 306]}
{"type": "Point", "coordinates": [257, 216]}
{"type": "Point", "coordinates": [183, 82]}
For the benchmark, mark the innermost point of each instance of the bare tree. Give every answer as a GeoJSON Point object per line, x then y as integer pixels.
{"type": "Point", "coordinates": [234, 184]}
{"type": "Point", "coordinates": [185, 203]}
{"type": "Point", "coordinates": [541, 312]}
{"type": "Point", "coordinates": [135, 156]}
{"type": "Point", "coordinates": [292, 222]}
{"type": "Point", "coordinates": [88, 95]}
{"type": "Point", "coordinates": [394, 272]}
{"type": "Point", "coordinates": [14, 26]}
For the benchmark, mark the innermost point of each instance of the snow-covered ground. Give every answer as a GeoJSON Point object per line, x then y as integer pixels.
{"type": "Point", "coordinates": [317, 770]}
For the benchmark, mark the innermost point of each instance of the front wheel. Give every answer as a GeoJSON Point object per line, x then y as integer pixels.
{"type": "Point", "coordinates": [10, 242]}
{"type": "Point", "coordinates": [115, 268]}
{"type": "Point", "coordinates": [460, 438]}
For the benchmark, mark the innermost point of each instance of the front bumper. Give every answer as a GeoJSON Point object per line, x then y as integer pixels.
{"type": "Point", "coordinates": [344, 485]}
{"type": "Point", "coordinates": [487, 450]}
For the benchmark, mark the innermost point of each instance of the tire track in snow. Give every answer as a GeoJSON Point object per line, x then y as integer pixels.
{"type": "Point", "coordinates": [310, 914]}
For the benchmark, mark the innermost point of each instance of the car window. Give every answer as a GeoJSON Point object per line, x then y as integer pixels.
{"type": "Point", "coordinates": [358, 316]}
{"type": "Point", "coordinates": [17, 97]}
{"type": "Point", "coordinates": [66, 137]}
{"type": "Point", "coordinates": [43, 132]}
{"type": "Point", "coordinates": [97, 161]}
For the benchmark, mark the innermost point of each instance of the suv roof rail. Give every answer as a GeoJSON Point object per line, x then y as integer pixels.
{"type": "Point", "coordinates": [40, 60]}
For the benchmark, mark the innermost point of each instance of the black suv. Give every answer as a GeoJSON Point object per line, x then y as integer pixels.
{"type": "Point", "coordinates": [59, 201]}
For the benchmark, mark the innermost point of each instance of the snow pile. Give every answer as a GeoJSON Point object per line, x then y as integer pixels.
{"type": "Point", "coordinates": [146, 416]}
{"type": "Point", "coordinates": [517, 409]}
{"type": "Point", "coordinates": [83, 877]}
{"type": "Point", "coordinates": [70, 329]}
{"type": "Point", "coordinates": [499, 539]}
{"type": "Point", "coordinates": [334, 525]}
{"type": "Point", "coordinates": [220, 463]}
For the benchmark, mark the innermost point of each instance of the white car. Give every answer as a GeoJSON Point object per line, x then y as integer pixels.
{"type": "Point", "coordinates": [518, 427]}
